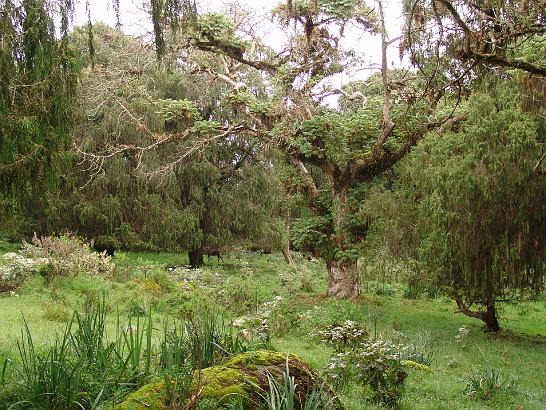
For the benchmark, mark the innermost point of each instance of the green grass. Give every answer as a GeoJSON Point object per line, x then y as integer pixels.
{"type": "Point", "coordinates": [243, 281]}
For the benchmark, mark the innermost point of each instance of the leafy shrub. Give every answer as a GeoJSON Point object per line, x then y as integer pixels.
{"type": "Point", "coordinates": [377, 364]}
{"type": "Point", "coordinates": [68, 255]}
{"type": "Point", "coordinates": [237, 294]}
{"type": "Point", "coordinates": [256, 326]}
{"type": "Point", "coordinates": [486, 382]}
{"type": "Point", "coordinates": [284, 318]}
{"type": "Point", "coordinates": [324, 317]}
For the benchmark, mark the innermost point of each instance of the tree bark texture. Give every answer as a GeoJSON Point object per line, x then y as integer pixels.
{"type": "Point", "coordinates": [343, 280]}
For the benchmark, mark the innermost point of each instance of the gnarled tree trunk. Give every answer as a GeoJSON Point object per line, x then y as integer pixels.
{"type": "Point", "coordinates": [489, 317]}
{"type": "Point", "coordinates": [343, 280]}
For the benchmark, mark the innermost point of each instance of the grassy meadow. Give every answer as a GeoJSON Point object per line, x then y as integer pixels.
{"type": "Point", "coordinates": [142, 282]}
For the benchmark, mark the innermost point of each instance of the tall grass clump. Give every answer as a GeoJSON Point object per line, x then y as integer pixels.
{"type": "Point", "coordinates": [51, 380]}
{"type": "Point", "coordinates": [486, 382]}
{"type": "Point", "coordinates": [286, 394]}
{"type": "Point", "coordinates": [199, 342]}
{"type": "Point", "coordinates": [83, 367]}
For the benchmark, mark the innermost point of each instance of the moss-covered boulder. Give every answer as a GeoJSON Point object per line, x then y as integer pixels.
{"type": "Point", "coordinates": [244, 379]}
{"type": "Point", "coordinates": [150, 396]}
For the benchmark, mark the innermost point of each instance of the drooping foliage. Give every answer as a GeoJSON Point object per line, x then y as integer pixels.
{"type": "Point", "coordinates": [38, 75]}
{"type": "Point", "coordinates": [333, 150]}
{"type": "Point", "coordinates": [473, 202]}
{"type": "Point", "coordinates": [144, 183]}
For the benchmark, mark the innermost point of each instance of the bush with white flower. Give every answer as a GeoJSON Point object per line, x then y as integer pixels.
{"type": "Point", "coordinates": [256, 326]}
{"type": "Point", "coordinates": [68, 255]}
{"type": "Point", "coordinates": [15, 268]}
{"type": "Point", "coordinates": [347, 335]}
{"type": "Point", "coordinates": [375, 363]}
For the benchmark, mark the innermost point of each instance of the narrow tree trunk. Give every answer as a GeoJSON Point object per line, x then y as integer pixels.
{"type": "Point", "coordinates": [287, 256]}
{"type": "Point", "coordinates": [196, 258]}
{"type": "Point", "coordinates": [343, 280]}
{"type": "Point", "coordinates": [286, 242]}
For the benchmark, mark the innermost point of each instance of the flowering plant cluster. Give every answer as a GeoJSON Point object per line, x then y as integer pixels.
{"type": "Point", "coordinates": [462, 332]}
{"type": "Point", "coordinates": [256, 326]}
{"type": "Point", "coordinates": [15, 268]}
{"type": "Point", "coordinates": [376, 363]}
{"type": "Point", "coordinates": [347, 335]}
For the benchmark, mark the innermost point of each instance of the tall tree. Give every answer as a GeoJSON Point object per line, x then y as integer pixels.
{"type": "Point", "coordinates": [289, 112]}
{"type": "Point", "coordinates": [479, 207]}
{"type": "Point", "coordinates": [146, 183]}
{"type": "Point", "coordinates": [38, 74]}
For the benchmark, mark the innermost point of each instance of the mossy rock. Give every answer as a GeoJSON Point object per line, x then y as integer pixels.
{"type": "Point", "coordinates": [244, 378]}
{"type": "Point", "coordinates": [149, 396]}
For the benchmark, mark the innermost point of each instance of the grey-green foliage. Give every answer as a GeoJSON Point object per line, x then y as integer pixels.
{"type": "Point", "coordinates": [216, 194]}
{"type": "Point", "coordinates": [480, 203]}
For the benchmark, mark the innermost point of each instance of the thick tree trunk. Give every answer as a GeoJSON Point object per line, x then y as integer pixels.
{"type": "Point", "coordinates": [489, 317]}
{"type": "Point", "coordinates": [196, 258]}
{"type": "Point", "coordinates": [343, 279]}
{"type": "Point", "coordinates": [342, 275]}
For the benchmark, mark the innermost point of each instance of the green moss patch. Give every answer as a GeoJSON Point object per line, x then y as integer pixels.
{"type": "Point", "coordinates": [244, 378]}
{"type": "Point", "coordinates": [150, 396]}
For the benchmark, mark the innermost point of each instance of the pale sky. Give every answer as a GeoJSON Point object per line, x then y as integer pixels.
{"type": "Point", "coordinates": [136, 21]}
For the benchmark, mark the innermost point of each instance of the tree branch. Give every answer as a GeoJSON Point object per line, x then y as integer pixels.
{"type": "Point", "coordinates": [387, 124]}
{"type": "Point", "coordinates": [310, 184]}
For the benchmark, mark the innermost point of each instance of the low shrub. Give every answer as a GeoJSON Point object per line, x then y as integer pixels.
{"type": "Point", "coordinates": [348, 335]}
{"type": "Point", "coordinates": [377, 364]}
{"type": "Point", "coordinates": [68, 255]}
{"type": "Point", "coordinates": [257, 326]}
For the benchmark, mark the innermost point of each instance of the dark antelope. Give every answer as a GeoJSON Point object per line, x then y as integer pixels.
{"type": "Point", "coordinates": [211, 251]}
